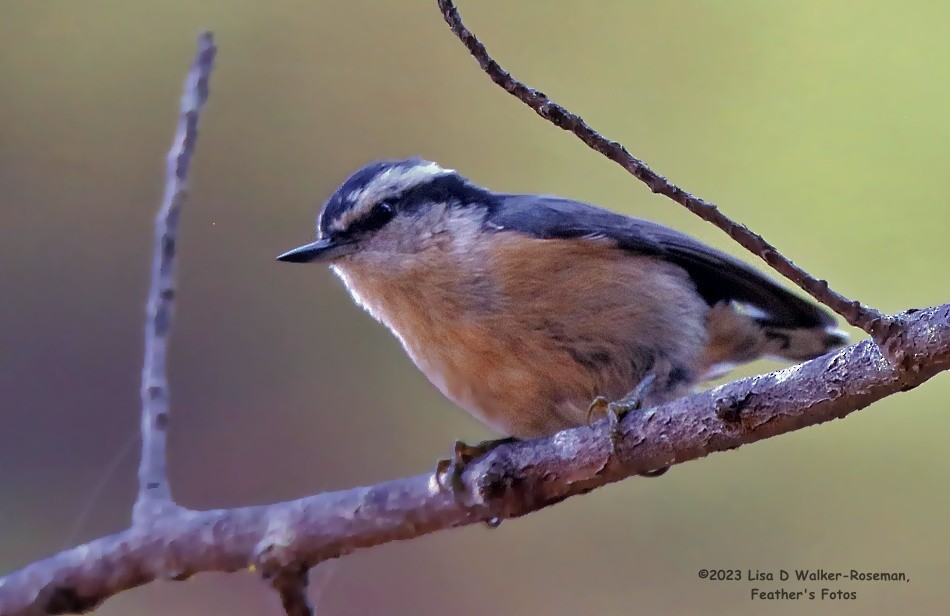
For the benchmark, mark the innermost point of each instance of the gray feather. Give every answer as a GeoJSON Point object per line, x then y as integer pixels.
{"type": "Point", "coordinates": [718, 276]}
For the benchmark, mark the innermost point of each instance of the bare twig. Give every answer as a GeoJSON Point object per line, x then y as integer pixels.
{"type": "Point", "coordinates": [291, 586]}
{"type": "Point", "coordinates": [511, 481]}
{"type": "Point", "coordinates": [284, 540]}
{"type": "Point", "coordinates": [154, 495]}
{"type": "Point", "coordinates": [870, 320]}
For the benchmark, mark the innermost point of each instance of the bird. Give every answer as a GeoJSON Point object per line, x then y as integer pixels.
{"type": "Point", "coordinates": [525, 309]}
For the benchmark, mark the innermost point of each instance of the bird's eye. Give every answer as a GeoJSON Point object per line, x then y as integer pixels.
{"type": "Point", "coordinates": [373, 220]}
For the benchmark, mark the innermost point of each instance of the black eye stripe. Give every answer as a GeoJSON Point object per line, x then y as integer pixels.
{"type": "Point", "coordinates": [379, 215]}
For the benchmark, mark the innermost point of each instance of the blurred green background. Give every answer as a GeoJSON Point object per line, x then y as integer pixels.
{"type": "Point", "coordinates": [821, 125]}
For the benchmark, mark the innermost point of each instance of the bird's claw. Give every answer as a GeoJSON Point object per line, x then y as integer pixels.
{"type": "Point", "coordinates": [448, 473]}
{"type": "Point", "coordinates": [597, 408]}
{"type": "Point", "coordinates": [616, 411]}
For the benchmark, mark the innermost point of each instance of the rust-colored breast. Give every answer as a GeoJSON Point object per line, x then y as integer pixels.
{"type": "Point", "coordinates": [524, 333]}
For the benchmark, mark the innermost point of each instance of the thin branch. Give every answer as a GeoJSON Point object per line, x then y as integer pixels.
{"type": "Point", "coordinates": [879, 326]}
{"type": "Point", "coordinates": [284, 540]}
{"type": "Point", "coordinates": [291, 586]}
{"type": "Point", "coordinates": [154, 495]}
{"type": "Point", "coordinates": [511, 481]}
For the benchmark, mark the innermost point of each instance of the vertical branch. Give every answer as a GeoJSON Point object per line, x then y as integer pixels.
{"type": "Point", "coordinates": [154, 494]}
{"type": "Point", "coordinates": [291, 586]}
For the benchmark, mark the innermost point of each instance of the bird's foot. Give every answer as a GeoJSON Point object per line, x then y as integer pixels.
{"type": "Point", "coordinates": [616, 411]}
{"type": "Point", "coordinates": [448, 473]}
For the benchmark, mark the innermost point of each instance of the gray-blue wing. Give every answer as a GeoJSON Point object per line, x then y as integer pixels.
{"type": "Point", "coordinates": [718, 276]}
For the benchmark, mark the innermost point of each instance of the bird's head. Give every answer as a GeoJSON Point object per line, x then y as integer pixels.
{"type": "Point", "coordinates": [391, 208]}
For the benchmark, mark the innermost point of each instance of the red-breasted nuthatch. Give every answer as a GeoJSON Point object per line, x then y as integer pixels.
{"type": "Point", "coordinates": [522, 309]}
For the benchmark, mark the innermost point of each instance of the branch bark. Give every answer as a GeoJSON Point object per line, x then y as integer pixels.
{"type": "Point", "coordinates": [291, 587]}
{"type": "Point", "coordinates": [154, 496]}
{"type": "Point", "coordinates": [511, 481]}
{"type": "Point", "coordinates": [282, 541]}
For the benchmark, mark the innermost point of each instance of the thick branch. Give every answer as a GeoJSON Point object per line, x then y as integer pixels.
{"type": "Point", "coordinates": [283, 540]}
{"type": "Point", "coordinates": [154, 495]}
{"type": "Point", "coordinates": [868, 319]}
{"type": "Point", "coordinates": [511, 481]}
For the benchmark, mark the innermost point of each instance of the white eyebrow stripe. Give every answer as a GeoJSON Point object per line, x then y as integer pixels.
{"type": "Point", "coordinates": [386, 185]}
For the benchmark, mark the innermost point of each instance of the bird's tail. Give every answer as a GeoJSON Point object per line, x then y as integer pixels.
{"type": "Point", "coordinates": [802, 344]}
{"type": "Point", "coordinates": [739, 334]}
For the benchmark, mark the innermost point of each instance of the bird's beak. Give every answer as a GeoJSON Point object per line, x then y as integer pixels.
{"type": "Point", "coordinates": [322, 250]}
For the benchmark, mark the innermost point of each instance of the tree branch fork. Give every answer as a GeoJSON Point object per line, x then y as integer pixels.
{"type": "Point", "coordinates": [283, 541]}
